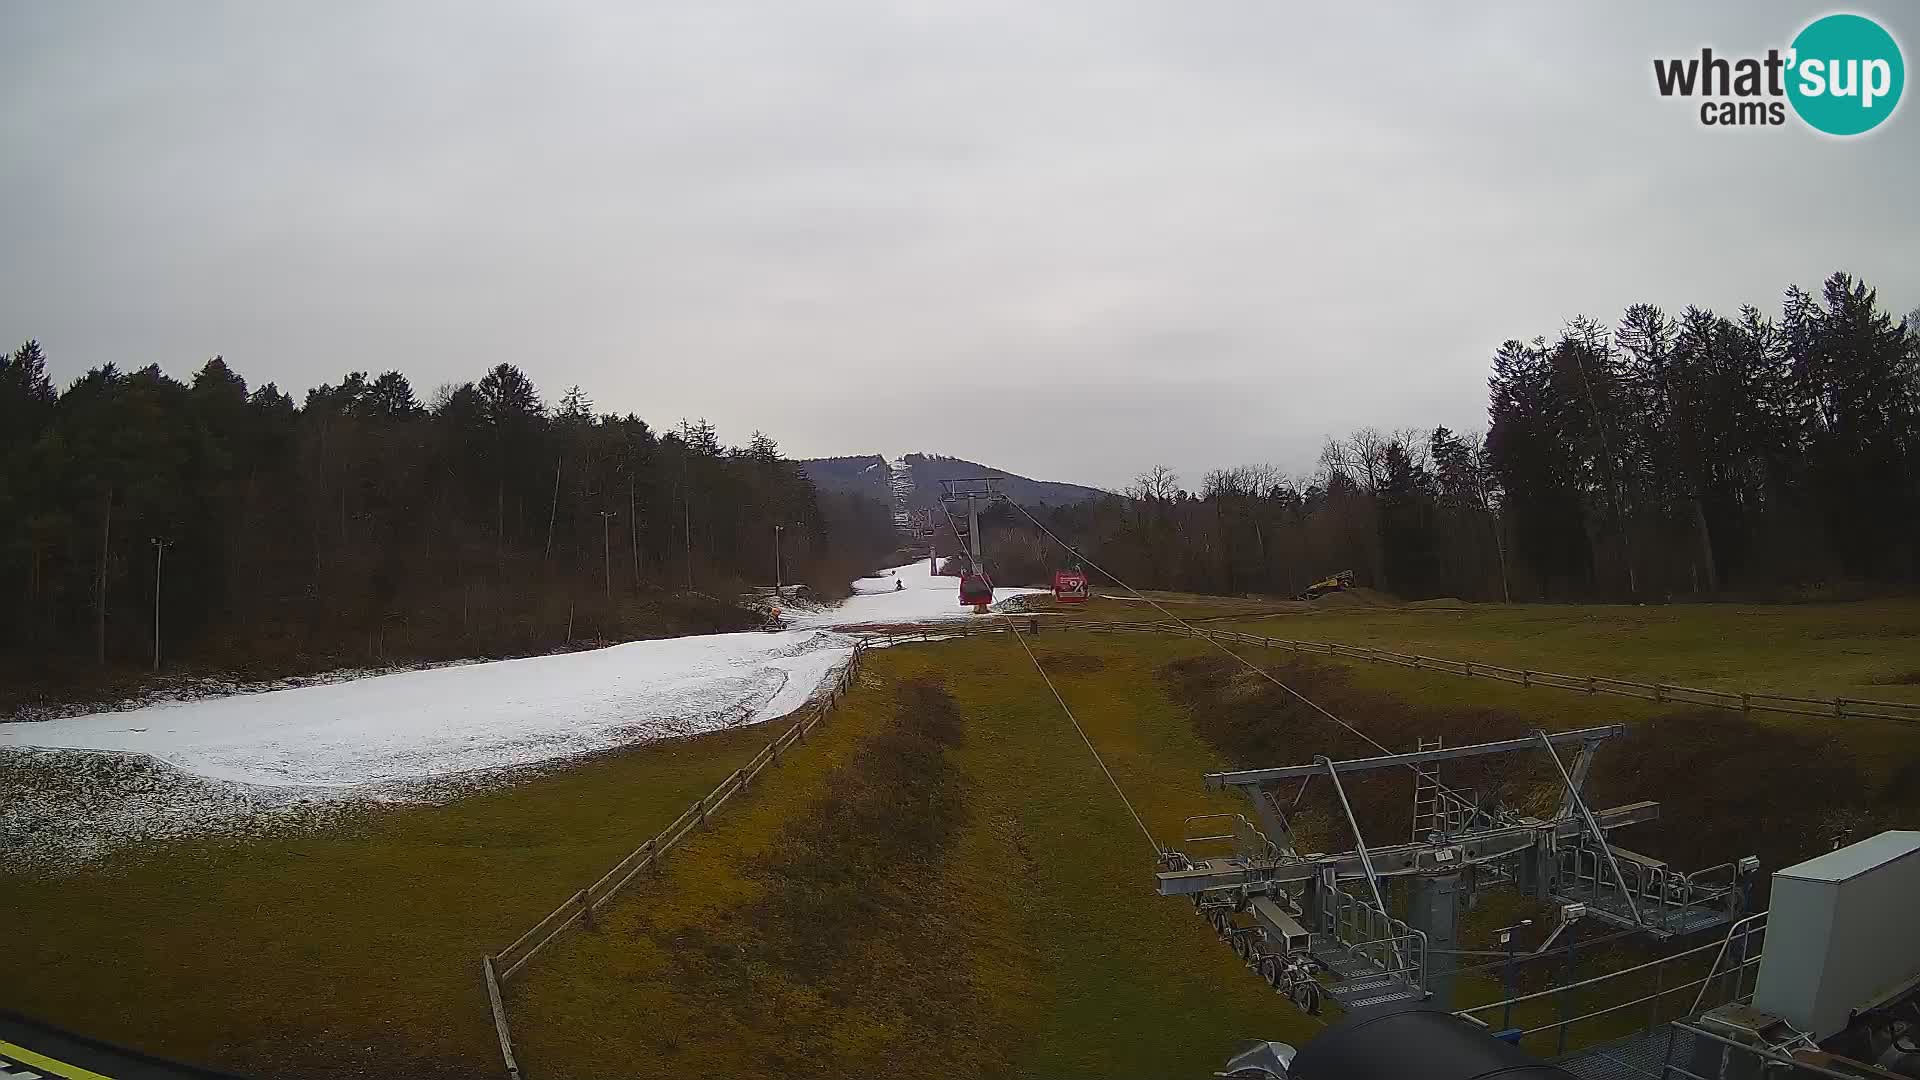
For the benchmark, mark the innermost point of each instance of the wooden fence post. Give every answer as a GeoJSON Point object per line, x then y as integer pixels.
{"type": "Point", "coordinates": [700, 807]}
{"type": "Point", "coordinates": [586, 907]}
{"type": "Point", "coordinates": [1526, 678]}
{"type": "Point", "coordinates": [1746, 704]}
{"type": "Point", "coordinates": [499, 1017]}
{"type": "Point", "coordinates": [1590, 684]}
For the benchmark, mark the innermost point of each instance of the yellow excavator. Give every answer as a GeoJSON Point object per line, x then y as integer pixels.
{"type": "Point", "coordinates": [1331, 583]}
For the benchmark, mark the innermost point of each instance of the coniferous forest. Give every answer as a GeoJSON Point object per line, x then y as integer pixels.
{"type": "Point", "coordinates": [1671, 456]}
{"type": "Point", "coordinates": [363, 525]}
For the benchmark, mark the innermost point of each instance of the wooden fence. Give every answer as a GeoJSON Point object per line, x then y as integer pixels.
{"type": "Point", "coordinates": [1845, 708]}
{"type": "Point", "coordinates": [497, 968]}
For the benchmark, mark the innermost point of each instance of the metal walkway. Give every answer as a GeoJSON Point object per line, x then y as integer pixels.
{"type": "Point", "coordinates": [1665, 902]}
{"type": "Point", "coordinates": [1356, 982]}
{"type": "Point", "coordinates": [1641, 1056]}
{"type": "Point", "coordinates": [1663, 920]}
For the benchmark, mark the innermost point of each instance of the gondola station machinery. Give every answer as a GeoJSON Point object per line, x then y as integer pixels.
{"type": "Point", "coordinates": [1837, 997]}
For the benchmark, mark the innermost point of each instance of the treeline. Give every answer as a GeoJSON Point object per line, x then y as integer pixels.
{"type": "Point", "coordinates": [363, 525]}
{"type": "Point", "coordinates": [1674, 456]}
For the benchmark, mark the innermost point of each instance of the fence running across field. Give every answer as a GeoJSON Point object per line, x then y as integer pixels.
{"type": "Point", "coordinates": [502, 966]}
{"type": "Point", "coordinates": [499, 967]}
{"type": "Point", "coordinates": [1845, 708]}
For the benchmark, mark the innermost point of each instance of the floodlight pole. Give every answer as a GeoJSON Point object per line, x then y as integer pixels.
{"type": "Point", "coordinates": [606, 545]}
{"type": "Point", "coordinates": [160, 546]}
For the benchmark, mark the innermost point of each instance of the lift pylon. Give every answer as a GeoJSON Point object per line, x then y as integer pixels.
{"type": "Point", "coordinates": [1327, 914]}
{"type": "Point", "coordinates": [976, 589]}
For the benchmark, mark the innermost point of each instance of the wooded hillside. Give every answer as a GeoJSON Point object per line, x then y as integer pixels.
{"type": "Point", "coordinates": [1689, 456]}
{"type": "Point", "coordinates": [363, 525]}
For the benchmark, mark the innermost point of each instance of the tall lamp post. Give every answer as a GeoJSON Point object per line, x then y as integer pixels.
{"type": "Point", "coordinates": [606, 545]}
{"type": "Point", "coordinates": [777, 572]}
{"type": "Point", "coordinates": [160, 546]}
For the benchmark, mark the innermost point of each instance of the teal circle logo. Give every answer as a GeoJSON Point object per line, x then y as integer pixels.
{"type": "Point", "coordinates": [1846, 74]}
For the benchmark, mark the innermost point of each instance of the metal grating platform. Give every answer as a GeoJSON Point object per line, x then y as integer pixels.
{"type": "Point", "coordinates": [1356, 983]}
{"type": "Point", "coordinates": [1671, 921]}
{"type": "Point", "coordinates": [1641, 1056]}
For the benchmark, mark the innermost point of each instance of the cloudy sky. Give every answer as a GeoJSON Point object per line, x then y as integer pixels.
{"type": "Point", "coordinates": [1069, 239]}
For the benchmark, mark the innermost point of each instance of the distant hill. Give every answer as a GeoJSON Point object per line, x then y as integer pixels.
{"type": "Point", "coordinates": [872, 476]}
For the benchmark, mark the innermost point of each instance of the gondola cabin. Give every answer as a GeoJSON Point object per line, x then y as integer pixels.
{"type": "Point", "coordinates": [976, 591]}
{"type": "Point", "coordinates": [1069, 587]}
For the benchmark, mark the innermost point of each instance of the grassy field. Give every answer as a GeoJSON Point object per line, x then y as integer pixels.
{"type": "Point", "coordinates": [1867, 650]}
{"type": "Point", "coordinates": [1040, 909]}
{"type": "Point", "coordinates": [942, 868]}
{"type": "Point", "coordinates": [348, 952]}
{"type": "Point", "coordinates": [1028, 943]}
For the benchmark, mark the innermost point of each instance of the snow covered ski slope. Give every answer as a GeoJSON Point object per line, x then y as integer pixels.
{"type": "Point", "coordinates": [876, 601]}
{"type": "Point", "coordinates": [182, 768]}
{"type": "Point", "coordinates": [416, 725]}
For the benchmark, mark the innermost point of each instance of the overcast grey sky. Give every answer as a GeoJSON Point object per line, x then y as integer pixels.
{"type": "Point", "coordinates": [1070, 239]}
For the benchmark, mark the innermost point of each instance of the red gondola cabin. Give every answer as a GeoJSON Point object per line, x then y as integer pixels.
{"type": "Point", "coordinates": [1069, 587]}
{"type": "Point", "coordinates": [976, 591]}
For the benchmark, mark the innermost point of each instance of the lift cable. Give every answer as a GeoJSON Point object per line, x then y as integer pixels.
{"type": "Point", "coordinates": [1013, 626]}
{"type": "Point", "coordinates": [965, 552]}
{"type": "Point", "coordinates": [1250, 665]}
{"type": "Point", "coordinates": [1022, 639]}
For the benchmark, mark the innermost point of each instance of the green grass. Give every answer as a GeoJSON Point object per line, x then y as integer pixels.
{"type": "Point", "coordinates": [1813, 650]}
{"type": "Point", "coordinates": [1032, 944]}
{"type": "Point", "coordinates": [1817, 650]}
{"type": "Point", "coordinates": [352, 951]}
{"type": "Point", "coordinates": [1041, 912]}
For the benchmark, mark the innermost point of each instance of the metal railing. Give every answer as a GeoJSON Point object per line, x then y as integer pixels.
{"type": "Point", "coordinates": [497, 968]}
{"type": "Point", "coordinates": [1248, 842]}
{"type": "Point", "coordinates": [1732, 977]}
{"type": "Point", "coordinates": [1694, 1053]}
{"type": "Point", "coordinates": [1740, 945]}
{"type": "Point", "coordinates": [1388, 945]}
{"type": "Point", "coordinates": [1666, 892]}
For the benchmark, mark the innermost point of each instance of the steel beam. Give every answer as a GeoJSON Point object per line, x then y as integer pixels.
{"type": "Point", "coordinates": [1399, 859]}
{"type": "Point", "coordinates": [1599, 835]}
{"type": "Point", "coordinates": [1251, 777]}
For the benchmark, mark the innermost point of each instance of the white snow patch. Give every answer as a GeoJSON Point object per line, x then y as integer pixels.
{"type": "Point", "coordinates": [924, 598]}
{"type": "Point", "coordinates": [79, 787]}
{"type": "Point", "coordinates": [420, 724]}
{"type": "Point", "coordinates": [302, 755]}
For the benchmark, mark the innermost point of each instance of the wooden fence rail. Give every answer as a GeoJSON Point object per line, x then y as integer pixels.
{"type": "Point", "coordinates": [498, 968]}
{"type": "Point", "coordinates": [1843, 708]}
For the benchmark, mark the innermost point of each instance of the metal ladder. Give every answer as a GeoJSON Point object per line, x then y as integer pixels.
{"type": "Point", "coordinates": [1428, 815]}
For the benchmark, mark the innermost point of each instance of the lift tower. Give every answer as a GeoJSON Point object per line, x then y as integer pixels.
{"type": "Point", "coordinates": [1294, 916]}
{"type": "Point", "coordinates": [975, 588]}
